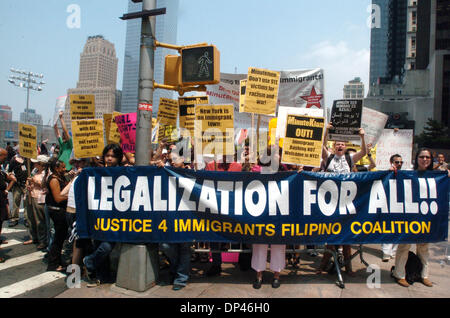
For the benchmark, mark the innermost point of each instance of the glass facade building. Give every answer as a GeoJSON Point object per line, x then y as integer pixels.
{"type": "Point", "coordinates": [166, 31]}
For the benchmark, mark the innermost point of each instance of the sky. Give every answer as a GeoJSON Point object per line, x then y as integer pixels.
{"type": "Point", "coordinates": [276, 35]}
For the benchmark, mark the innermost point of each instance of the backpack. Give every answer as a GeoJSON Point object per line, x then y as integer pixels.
{"type": "Point", "coordinates": [347, 158]}
{"type": "Point", "coordinates": [413, 268]}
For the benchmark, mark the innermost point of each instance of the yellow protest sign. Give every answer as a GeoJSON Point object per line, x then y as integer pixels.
{"type": "Point", "coordinates": [28, 141]}
{"type": "Point", "coordinates": [168, 111]}
{"type": "Point", "coordinates": [243, 85]}
{"type": "Point", "coordinates": [187, 111]}
{"type": "Point", "coordinates": [214, 129]}
{"type": "Point", "coordinates": [88, 138]}
{"type": "Point", "coordinates": [167, 131]}
{"type": "Point", "coordinates": [303, 140]}
{"type": "Point", "coordinates": [114, 133]}
{"type": "Point", "coordinates": [82, 107]}
{"type": "Point", "coordinates": [107, 122]}
{"type": "Point", "coordinates": [261, 93]}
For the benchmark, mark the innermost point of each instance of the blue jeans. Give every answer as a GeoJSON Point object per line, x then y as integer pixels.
{"type": "Point", "coordinates": [179, 255]}
{"type": "Point", "coordinates": [99, 260]}
{"type": "Point", "coordinates": [50, 228]}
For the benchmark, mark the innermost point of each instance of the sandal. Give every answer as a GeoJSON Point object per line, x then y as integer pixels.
{"type": "Point", "coordinates": [29, 242]}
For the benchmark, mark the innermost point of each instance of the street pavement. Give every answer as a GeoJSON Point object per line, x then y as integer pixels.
{"type": "Point", "coordinates": [23, 275]}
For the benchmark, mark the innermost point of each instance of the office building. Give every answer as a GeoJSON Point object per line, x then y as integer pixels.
{"type": "Point", "coordinates": [97, 75]}
{"type": "Point", "coordinates": [354, 89]}
{"type": "Point", "coordinates": [31, 117]}
{"type": "Point", "coordinates": [166, 32]}
{"type": "Point", "coordinates": [419, 90]}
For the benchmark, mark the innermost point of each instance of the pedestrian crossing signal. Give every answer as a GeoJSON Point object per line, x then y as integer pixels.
{"type": "Point", "coordinates": [200, 65]}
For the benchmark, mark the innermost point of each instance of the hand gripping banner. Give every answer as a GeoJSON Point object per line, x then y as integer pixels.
{"type": "Point", "coordinates": [149, 204]}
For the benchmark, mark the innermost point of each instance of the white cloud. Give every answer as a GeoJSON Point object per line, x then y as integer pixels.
{"type": "Point", "coordinates": [340, 64]}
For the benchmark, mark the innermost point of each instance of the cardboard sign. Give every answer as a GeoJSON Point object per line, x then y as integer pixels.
{"type": "Point", "coordinates": [114, 133]}
{"type": "Point", "coordinates": [391, 143]}
{"type": "Point", "coordinates": [261, 93]}
{"type": "Point", "coordinates": [303, 140]}
{"type": "Point", "coordinates": [82, 107]}
{"type": "Point", "coordinates": [127, 128]}
{"type": "Point", "coordinates": [214, 129]}
{"type": "Point", "coordinates": [28, 141]}
{"type": "Point", "coordinates": [168, 111]}
{"type": "Point", "coordinates": [373, 123]}
{"type": "Point", "coordinates": [88, 138]}
{"type": "Point", "coordinates": [346, 120]}
{"type": "Point", "coordinates": [167, 131]}
{"type": "Point", "coordinates": [187, 111]}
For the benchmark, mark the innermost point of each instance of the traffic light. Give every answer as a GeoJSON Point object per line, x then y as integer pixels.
{"type": "Point", "coordinates": [172, 70]}
{"type": "Point", "coordinates": [200, 65]}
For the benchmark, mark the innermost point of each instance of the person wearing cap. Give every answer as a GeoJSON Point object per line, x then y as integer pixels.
{"type": "Point", "coordinates": [36, 203]}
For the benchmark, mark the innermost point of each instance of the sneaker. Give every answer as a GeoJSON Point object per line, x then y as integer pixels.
{"type": "Point", "coordinates": [93, 283]}
{"type": "Point", "coordinates": [214, 270]}
{"type": "Point", "coordinates": [386, 257]}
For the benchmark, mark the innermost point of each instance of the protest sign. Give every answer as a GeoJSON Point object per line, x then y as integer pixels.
{"type": "Point", "coordinates": [168, 111]}
{"type": "Point", "coordinates": [150, 204]}
{"type": "Point", "coordinates": [82, 107]}
{"type": "Point", "coordinates": [346, 120]}
{"type": "Point", "coordinates": [391, 143]}
{"type": "Point", "coordinates": [187, 111]}
{"type": "Point", "coordinates": [88, 138]}
{"type": "Point", "coordinates": [107, 118]}
{"type": "Point", "coordinates": [298, 88]}
{"type": "Point", "coordinates": [261, 92]}
{"type": "Point", "coordinates": [373, 123]}
{"type": "Point", "coordinates": [114, 133]}
{"type": "Point", "coordinates": [126, 123]}
{"type": "Point", "coordinates": [283, 111]}
{"type": "Point", "coordinates": [168, 132]}
{"type": "Point", "coordinates": [28, 141]}
{"type": "Point", "coordinates": [214, 129]}
{"type": "Point", "coordinates": [60, 106]}
{"type": "Point", "coordinates": [303, 140]}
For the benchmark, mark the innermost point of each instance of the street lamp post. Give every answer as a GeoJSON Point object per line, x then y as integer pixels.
{"type": "Point", "coordinates": [29, 81]}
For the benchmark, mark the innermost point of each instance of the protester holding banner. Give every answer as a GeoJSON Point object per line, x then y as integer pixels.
{"type": "Point", "coordinates": [388, 249]}
{"type": "Point", "coordinates": [226, 164]}
{"type": "Point", "coordinates": [56, 205]}
{"type": "Point", "coordinates": [65, 142]}
{"type": "Point", "coordinates": [259, 251]}
{"type": "Point", "coordinates": [339, 162]}
{"type": "Point", "coordinates": [98, 261]}
{"type": "Point", "coordinates": [179, 254]}
{"type": "Point", "coordinates": [422, 162]}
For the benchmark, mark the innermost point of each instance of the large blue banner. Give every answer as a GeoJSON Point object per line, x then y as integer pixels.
{"type": "Point", "coordinates": [149, 204]}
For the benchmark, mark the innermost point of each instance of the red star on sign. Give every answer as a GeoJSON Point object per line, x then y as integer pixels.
{"type": "Point", "coordinates": [313, 99]}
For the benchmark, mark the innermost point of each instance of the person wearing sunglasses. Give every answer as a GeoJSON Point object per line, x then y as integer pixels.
{"type": "Point", "coordinates": [389, 250]}
{"type": "Point", "coordinates": [422, 162]}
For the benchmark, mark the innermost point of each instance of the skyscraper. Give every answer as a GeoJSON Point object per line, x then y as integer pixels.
{"type": "Point", "coordinates": [354, 89]}
{"type": "Point", "coordinates": [97, 75]}
{"type": "Point", "coordinates": [388, 42]}
{"type": "Point", "coordinates": [166, 31]}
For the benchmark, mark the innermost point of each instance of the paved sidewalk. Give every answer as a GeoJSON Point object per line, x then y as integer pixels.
{"type": "Point", "coordinates": [295, 283]}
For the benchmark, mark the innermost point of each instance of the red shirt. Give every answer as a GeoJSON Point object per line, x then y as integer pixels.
{"type": "Point", "coordinates": [233, 166]}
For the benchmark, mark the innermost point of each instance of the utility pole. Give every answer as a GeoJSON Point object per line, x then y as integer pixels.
{"type": "Point", "coordinates": [138, 264]}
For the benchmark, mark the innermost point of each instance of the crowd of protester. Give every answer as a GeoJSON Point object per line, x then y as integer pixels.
{"type": "Point", "coordinates": [45, 186]}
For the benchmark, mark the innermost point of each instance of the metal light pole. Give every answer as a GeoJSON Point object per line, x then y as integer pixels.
{"type": "Point", "coordinates": [138, 264]}
{"type": "Point", "coordinates": [31, 81]}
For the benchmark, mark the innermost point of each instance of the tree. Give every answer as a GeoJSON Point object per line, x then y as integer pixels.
{"type": "Point", "coordinates": [434, 135]}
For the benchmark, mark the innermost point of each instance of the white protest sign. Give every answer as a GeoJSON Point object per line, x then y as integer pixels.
{"type": "Point", "coordinates": [391, 143]}
{"type": "Point", "coordinates": [373, 123]}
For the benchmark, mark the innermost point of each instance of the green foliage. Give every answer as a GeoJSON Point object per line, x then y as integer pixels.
{"type": "Point", "coordinates": [434, 135]}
